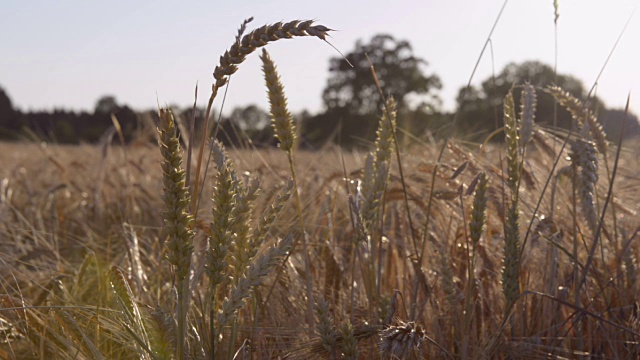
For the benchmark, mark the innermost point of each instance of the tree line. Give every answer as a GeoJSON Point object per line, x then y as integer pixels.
{"type": "Point", "coordinates": [352, 105]}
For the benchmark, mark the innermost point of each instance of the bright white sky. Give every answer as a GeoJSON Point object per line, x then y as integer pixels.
{"type": "Point", "coordinates": [69, 53]}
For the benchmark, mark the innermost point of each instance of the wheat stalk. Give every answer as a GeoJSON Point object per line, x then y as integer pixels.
{"type": "Point", "coordinates": [284, 128]}
{"type": "Point", "coordinates": [177, 221]}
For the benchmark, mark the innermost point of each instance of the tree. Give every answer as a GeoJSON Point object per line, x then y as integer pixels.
{"type": "Point", "coordinates": [480, 109]}
{"type": "Point", "coordinates": [106, 105]}
{"type": "Point", "coordinates": [250, 117]}
{"type": "Point", "coordinates": [8, 116]}
{"type": "Point", "coordinates": [399, 71]}
{"type": "Point", "coordinates": [351, 97]}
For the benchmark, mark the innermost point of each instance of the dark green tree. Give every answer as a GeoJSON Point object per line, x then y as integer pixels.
{"type": "Point", "coordinates": [250, 117]}
{"type": "Point", "coordinates": [400, 72]}
{"type": "Point", "coordinates": [8, 116]}
{"type": "Point", "coordinates": [106, 105]}
{"type": "Point", "coordinates": [352, 100]}
{"type": "Point", "coordinates": [480, 109]}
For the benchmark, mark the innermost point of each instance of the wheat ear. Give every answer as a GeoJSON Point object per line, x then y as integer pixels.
{"type": "Point", "coordinates": [254, 276]}
{"type": "Point", "coordinates": [582, 115]}
{"type": "Point", "coordinates": [326, 329]}
{"type": "Point", "coordinates": [478, 209]}
{"type": "Point", "coordinates": [224, 198]}
{"type": "Point", "coordinates": [583, 154]}
{"type": "Point", "coordinates": [177, 221]}
{"type": "Point", "coordinates": [512, 139]}
{"type": "Point", "coordinates": [239, 51]}
{"type": "Point", "coordinates": [349, 341]}
{"type": "Point", "coordinates": [528, 102]}
{"type": "Point", "coordinates": [402, 341]}
{"type": "Point", "coordinates": [511, 270]}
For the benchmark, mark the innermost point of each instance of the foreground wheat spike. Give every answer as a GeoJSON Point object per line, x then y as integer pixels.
{"type": "Point", "coordinates": [376, 172]}
{"type": "Point", "coordinates": [177, 221]}
{"type": "Point", "coordinates": [401, 341]}
{"type": "Point", "coordinates": [224, 198]}
{"type": "Point", "coordinates": [282, 121]}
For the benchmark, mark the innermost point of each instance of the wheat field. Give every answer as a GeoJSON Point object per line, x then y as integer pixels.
{"type": "Point", "coordinates": [448, 249]}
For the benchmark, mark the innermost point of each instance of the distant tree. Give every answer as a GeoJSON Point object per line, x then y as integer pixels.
{"type": "Point", "coordinates": [106, 105]}
{"type": "Point", "coordinates": [250, 117]}
{"type": "Point", "coordinates": [8, 116]}
{"type": "Point", "coordinates": [480, 109]}
{"type": "Point", "coordinates": [400, 73]}
{"type": "Point", "coordinates": [351, 98]}
{"type": "Point", "coordinates": [612, 120]}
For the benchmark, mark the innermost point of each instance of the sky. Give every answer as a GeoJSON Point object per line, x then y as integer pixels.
{"type": "Point", "coordinates": [67, 54]}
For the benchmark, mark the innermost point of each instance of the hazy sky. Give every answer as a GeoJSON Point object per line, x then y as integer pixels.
{"type": "Point", "coordinates": [69, 53]}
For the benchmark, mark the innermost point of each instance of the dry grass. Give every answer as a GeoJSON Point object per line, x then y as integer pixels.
{"type": "Point", "coordinates": [85, 274]}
